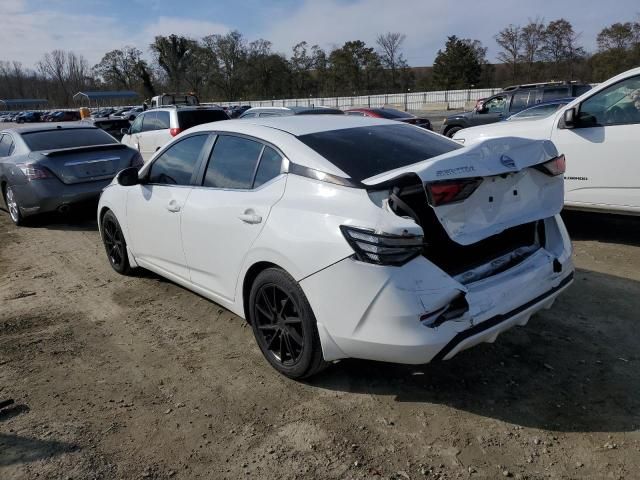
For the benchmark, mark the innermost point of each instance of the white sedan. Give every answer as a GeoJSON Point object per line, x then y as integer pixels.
{"type": "Point", "coordinates": [599, 133]}
{"type": "Point", "coordinates": [342, 237]}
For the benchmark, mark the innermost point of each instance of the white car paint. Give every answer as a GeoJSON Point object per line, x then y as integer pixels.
{"type": "Point", "coordinates": [208, 239]}
{"type": "Point", "coordinates": [603, 171]}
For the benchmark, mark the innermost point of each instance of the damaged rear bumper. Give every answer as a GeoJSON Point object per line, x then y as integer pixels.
{"type": "Point", "coordinates": [377, 313]}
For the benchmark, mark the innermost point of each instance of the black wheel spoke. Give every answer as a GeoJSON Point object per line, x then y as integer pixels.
{"type": "Point", "coordinates": [278, 326]}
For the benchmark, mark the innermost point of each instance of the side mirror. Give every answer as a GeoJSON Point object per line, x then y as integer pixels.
{"type": "Point", "coordinates": [128, 177]}
{"type": "Point", "coordinates": [125, 131]}
{"type": "Point", "coordinates": [570, 118]}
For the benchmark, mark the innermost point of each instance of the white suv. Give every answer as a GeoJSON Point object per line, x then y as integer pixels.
{"type": "Point", "coordinates": [154, 128]}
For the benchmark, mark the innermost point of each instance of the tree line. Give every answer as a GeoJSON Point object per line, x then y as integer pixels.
{"type": "Point", "coordinates": [229, 67]}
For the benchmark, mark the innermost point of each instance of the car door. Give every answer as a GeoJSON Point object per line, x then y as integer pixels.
{"type": "Point", "coordinates": [225, 214]}
{"type": "Point", "coordinates": [603, 166]}
{"type": "Point", "coordinates": [493, 110]}
{"type": "Point", "coordinates": [154, 208]}
{"type": "Point", "coordinates": [161, 135]}
{"type": "Point", "coordinates": [146, 138]}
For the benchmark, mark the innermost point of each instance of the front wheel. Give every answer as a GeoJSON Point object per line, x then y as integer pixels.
{"type": "Point", "coordinates": [284, 325]}
{"type": "Point", "coordinates": [452, 131]}
{"type": "Point", "coordinates": [114, 244]}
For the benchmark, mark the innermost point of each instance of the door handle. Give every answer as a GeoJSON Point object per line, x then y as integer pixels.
{"type": "Point", "coordinates": [173, 206]}
{"type": "Point", "coordinates": [250, 218]}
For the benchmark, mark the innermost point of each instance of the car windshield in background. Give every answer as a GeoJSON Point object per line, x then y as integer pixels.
{"type": "Point", "coordinates": [391, 113]}
{"type": "Point", "coordinates": [191, 118]}
{"type": "Point", "coordinates": [56, 139]}
{"type": "Point", "coordinates": [363, 152]}
{"type": "Point", "coordinates": [537, 112]}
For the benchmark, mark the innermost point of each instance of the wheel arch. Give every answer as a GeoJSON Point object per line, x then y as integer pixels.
{"type": "Point", "coordinates": [249, 277]}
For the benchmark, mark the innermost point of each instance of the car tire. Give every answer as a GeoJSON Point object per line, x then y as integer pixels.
{"type": "Point", "coordinates": [13, 206]}
{"type": "Point", "coordinates": [452, 131]}
{"type": "Point", "coordinates": [115, 244]}
{"type": "Point", "coordinates": [284, 325]}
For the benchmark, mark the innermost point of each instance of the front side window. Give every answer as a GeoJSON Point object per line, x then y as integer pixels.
{"type": "Point", "coordinates": [495, 105]}
{"type": "Point", "coordinates": [136, 126]}
{"type": "Point", "coordinates": [177, 164]}
{"type": "Point", "coordinates": [616, 105]}
{"type": "Point", "coordinates": [232, 163]}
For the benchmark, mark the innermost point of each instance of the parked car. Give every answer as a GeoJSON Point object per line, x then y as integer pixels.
{"type": "Point", "coordinates": [511, 100]}
{"type": "Point", "coordinates": [441, 247]}
{"type": "Point", "coordinates": [541, 110]}
{"type": "Point", "coordinates": [103, 112]}
{"type": "Point", "coordinates": [391, 114]}
{"type": "Point", "coordinates": [64, 116]}
{"type": "Point", "coordinates": [120, 112]}
{"type": "Point", "coordinates": [236, 110]}
{"type": "Point", "coordinates": [286, 111]}
{"type": "Point", "coordinates": [133, 113]}
{"type": "Point", "coordinates": [599, 133]}
{"type": "Point", "coordinates": [153, 129]}
{"type": "Point", "coordinates": [45, 169]}
{"type": "Point", "coordinates": [113, 126]}
{"type": "Point", "coordinates": [28, 117]}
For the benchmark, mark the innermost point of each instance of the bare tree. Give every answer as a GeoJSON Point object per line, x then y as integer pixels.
{"type": "Point", "coordinates": [390, 45]}
{"type": "Point", "coordinates": [173, 55]}
{"type": "Point", "coordinates": [532, 39]}
{"type": "Point", "coordinates": [229, 53]}
{"type": "Point", "coordinates": [510, 39]}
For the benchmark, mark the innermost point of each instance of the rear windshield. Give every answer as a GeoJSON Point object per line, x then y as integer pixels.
{"type": "Point", "coordinates": [66, 138]}
{"type": "Point", "coordinates": [391, 113]}
{"type": "Point", "coordinates": [321, 111]}
{"type": "Point", "coordinates": [363, 152]}
{"type": "Point", "coordinates": [191, 118]}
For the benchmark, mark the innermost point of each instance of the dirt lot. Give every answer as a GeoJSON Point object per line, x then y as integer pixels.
{"type": "Point", "coordinates": [126, 378]}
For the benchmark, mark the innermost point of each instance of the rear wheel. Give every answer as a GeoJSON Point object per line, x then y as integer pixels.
{"type": "Point", "coordinates": [452, 131]}
{"type": "Point", "coordinates": [114, 244]}
{"type": "Point", "coordinates": [13, 206]}
{"type": "Point", "coordinates": [284, 325]}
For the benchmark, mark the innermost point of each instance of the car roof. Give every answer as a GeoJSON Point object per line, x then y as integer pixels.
{"type": "Point", "coordinates": [299, 125]}
{"type": "Point", "coordinates": [46, 128]}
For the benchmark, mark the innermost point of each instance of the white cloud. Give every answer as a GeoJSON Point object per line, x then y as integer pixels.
{"type": "Point", "coordinates": [180, 26]}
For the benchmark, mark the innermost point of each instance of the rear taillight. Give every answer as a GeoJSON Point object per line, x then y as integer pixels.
{"type": "Point", "coordinates": [137, 161]}
{"type": "Point", "coordinates": [174, 131]}
{"type": "Point", "coordinates": [34, 172]}
{"type": "Point", "coordinates": [451, 191]}
{"type": "Point", "coordinates": [555, 166]}
{"type": "Point", "coordinates": [382, 249]}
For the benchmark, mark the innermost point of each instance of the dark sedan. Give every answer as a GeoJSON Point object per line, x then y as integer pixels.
{"type": "Point", "coordinates": [391, 114]}
{"type": "Point", "coordinates": [48, 169]}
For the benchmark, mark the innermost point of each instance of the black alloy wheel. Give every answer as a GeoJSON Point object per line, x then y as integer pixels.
{"type": "Point", "coordinates": [115, 244]}
{"type": "Point", "coordinates": [284, 325]}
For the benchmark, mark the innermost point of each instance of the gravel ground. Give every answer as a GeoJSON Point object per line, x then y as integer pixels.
{"type": "Point", "coordinates": [121, 378]}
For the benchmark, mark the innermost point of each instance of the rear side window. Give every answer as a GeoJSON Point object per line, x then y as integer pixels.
{"type": "Point", "coordinates": [176, 165]}
{"type": "Point", "coordinates": [363, 152]}
{"type": "Point", "coordinates": [232, 163]}
{"type": "Point", "coordinates": [66, 138]}
{"type": "Point", "coordinates": [149, 122]}
{"type": "Point", "coordinates": [162, 120]}
{"type": "Point", "coordinates": [556, 92]}
{"type": "Point", "coordinates": [269, 167]}
{"type": "Point", "coordinates": [191, 118]}
{"type": "Point", "coordinates": [6, 146]}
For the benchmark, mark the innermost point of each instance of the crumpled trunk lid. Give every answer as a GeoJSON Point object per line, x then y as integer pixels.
{"type": "Point", "coordinates": [511, 192]}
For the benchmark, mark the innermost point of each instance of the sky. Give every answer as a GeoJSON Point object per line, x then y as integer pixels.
{"type": "Point", "coordinates": [29, 28]}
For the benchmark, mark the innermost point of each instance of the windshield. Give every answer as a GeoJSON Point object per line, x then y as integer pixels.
{"type": "Point", "coordinates": [363, 152]}
{"type": "Point", "coordinates": [70, 138]}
